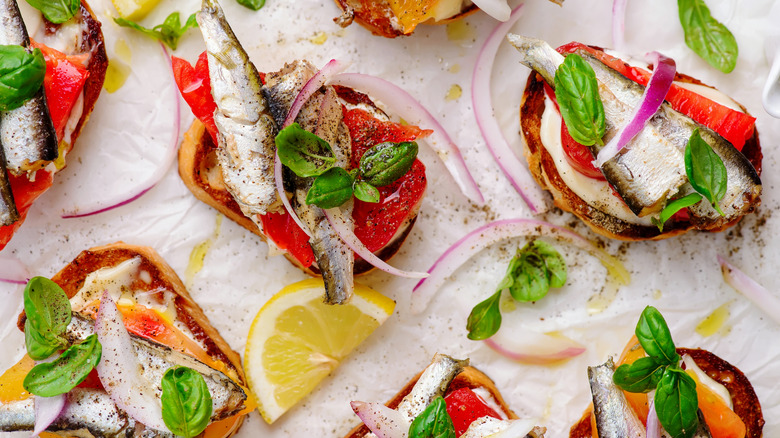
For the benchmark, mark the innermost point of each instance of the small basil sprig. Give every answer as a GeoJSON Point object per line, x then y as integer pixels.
{"type": "Point", "coordinates": [57, 11]}
{"type": "Point", "coordinates": [254, 5]}
{"type": "Point", "coordinates": [706, 36]}
{"type": "Point", "coordinates": [186, 402]}
{"type": "Point", "coordinates": [21, 75]}
{"type": "Point", "coordinates": [169, 32]}
{"type": "Point", "coordinates": [531, 273]}
{"type": "Point", "coordinates": [577, 93]}
{"type": "Point", "coordinates": [433, 422]}
{"type": "Point", "coordinates": [706, 174]}
{"type": "Point", "coordinates": [64, 373]}
{"type": "Point", "coordinates": [48, 315]}
{"type": "Point", "coordinates": [676, 403]}
{"type": "Point", "coordinates": [309, 156]}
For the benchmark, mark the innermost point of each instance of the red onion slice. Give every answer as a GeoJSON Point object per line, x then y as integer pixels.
{"type": "Point", "coordinates": [408, 108]}
{"type": "Point", "coordinates": [384, 422]}
{"type": "Point", "coordinates": [618, 24]}
{"type": "Point", "coordinates": [332, 68]}
{"type": "Point", "coordinates": [498, 9]}
{"type": "Point", "coordinates": [47, 409]}
{"type": "Point", "coordinates": [119, 369]}
{"type": "Point", "coordinates": [13, 271]}
{"type": "Point", "coordinates": [535, 348]}
{"type": "Point", "coordinates": [664, 69]}
{"type": "Point", "coordinates": [103, 205]}
{"type": "Point", "coordinates": [336, 219]}
{"type": "Point", "coordinates": [516, 172]}
{"type": "Point", "coordinates": [760, 296]}
{"type": "Point", "coordinates": [653, 424]}
{"type": "Point", "coordinates": [486, 235]}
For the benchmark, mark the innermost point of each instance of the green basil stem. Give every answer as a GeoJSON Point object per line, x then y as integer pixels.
{"type": "Point", "coordinates": [186, 402]}
{"type": "Point", "coordinates": [576, 90]}
{"type": "Point", "coordinates": [433, 422]}
{"type": "Point", "coordinates": [169, 32]}
{"type": "Point", "coordinates": [706, 36]}
{"type": "Point", "coordinates": [21, 75]}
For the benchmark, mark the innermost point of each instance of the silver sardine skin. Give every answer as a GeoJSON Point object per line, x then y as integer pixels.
{"type": "Point", "coordinates": [614, 416]}
{"type": "Point", "coordinates": [433, 382]}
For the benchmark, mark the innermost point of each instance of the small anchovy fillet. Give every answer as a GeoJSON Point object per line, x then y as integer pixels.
{"type": "Point", "coordinates": [323, 116]}
{"type": "Point", "coordinates": [486, 427]}
{"type": "Point", "coordinates": [247, 131]}
{"type": "Point", "coordinates": [614, 416]}
{"type": "Point", "coordinates": [26, 133]}
{"type": "Point", "coordinates": [433, 382]}
{"type": "Point", "coordinates": [228, 398]}
{"type": "Point", "coordinates": [650, 169]}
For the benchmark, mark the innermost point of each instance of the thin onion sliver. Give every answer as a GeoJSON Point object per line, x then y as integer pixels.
{"type": "Point", "coordinates": [757, 294]}
{"type": "Point", "coordinates": [47, 409]}
{"type": "Point", "coordinates": [514, 169]}
{"type": "Point", "coordinates": [538, 353]}
{"type": "Point", "coordinates": [384, 422]}
{"type": "Point", "coordinates": [653, 424]}
{"type": "Point", "coordinates": [13, 271]}
{"type": "Point", "coordinates": [619, 24]}
{"type": "Point", "coordinates": [494, 232]}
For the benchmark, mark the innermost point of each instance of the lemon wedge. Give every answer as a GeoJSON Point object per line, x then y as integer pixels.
{"type": "Point", "coordinates": [134, 9]}
{"type": "Point", "coordinates": [296, 340]}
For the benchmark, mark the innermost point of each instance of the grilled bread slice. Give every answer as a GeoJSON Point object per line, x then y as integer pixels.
{"type": "Point", "coordinates": [378, 17]}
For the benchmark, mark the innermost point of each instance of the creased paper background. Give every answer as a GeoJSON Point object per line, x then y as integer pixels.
{"type": "Point", "coordinates": [130, 130]}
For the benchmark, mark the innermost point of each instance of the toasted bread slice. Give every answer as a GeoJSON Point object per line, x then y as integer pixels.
{"type": "Point", "coordinates": [200, 172]}
{"type": "Point", "coordinates": [743, 396]}
{"type": "Point", "coordinates": [376, 16]}
{"type": "Point", "coordinates": [470, 377]}
{"type": "Point", "coordinates": [157, 276]}
{"type": "Point", "coordinates": [544, 171]}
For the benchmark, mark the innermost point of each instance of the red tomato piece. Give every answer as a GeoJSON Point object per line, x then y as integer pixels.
{"type": "Point", "coordinates": [92, 381]}
{"type": "Point", "coordinates": [25, 192]}
{"type": "Point", "coordinates": [195, 87]}
{"type": "Point", "coordinates": [464, 406]}
{"type": "Point", "coordinates": [734, 126]}
{"type": "Point", "coordinates": [287, 235]}
{"type": "Point", "coordinates": [63, 83]}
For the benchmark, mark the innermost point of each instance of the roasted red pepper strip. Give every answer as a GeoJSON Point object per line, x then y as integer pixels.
{"type": "Point", "coordinates": [464, 406]}
{"type": "Point", "coordinates": [195, 87]}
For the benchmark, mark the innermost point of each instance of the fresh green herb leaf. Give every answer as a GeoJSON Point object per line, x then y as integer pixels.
{"type": "Point", "coordinates": [169, 32]}
{"type": "Point", "coordinates": [556, 265]}
{"type": "Point", "coordinates": [254, 5]}
{"type": "Point", "coordinates": [655, 337]}
{"type": "Point", "coordinates": [48, 315]}
{"type": "Point", "coordinates": [71, 368]}
{"type": "Point", "coordinates": [577, 92]}
{"type": "Point", "coordinates": [186, 402]}
{"type": "Point", "coordinates": [57, 11]}
{"type": "Point", "coordinates": [705, 169]}
{"type": "Point", "coordinates": [539, 267]}
{"type": "Point", "coordinates": [673, 207]}
{"type": "Point", "coordinates": [384, 163]}
{"type": "Point", "coordinates": [641, 376]}
{"type": "Point", "coordinates": [706, 36]}
{"type": "Point", "coordinates": [366, 192]}
{"type": "Point", "coordinates": [485, 318]}
{"type": "Point", "coordinates": [433, 422]}
{"type": "Point", "coordinates": [21, 75]}
{"type": "Point", "coordinates": [330, 189]}
{"type": "Point", "coordinates": [676, 403]}
{"type": "Point", "coordinates": [303, 152]}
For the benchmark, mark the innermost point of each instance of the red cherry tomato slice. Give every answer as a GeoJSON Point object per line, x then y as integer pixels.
{"type": "Point", "coordinates": [464, 406]}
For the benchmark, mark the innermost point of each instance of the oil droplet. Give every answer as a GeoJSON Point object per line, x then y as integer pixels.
{"type": "Point", "coordinates": [123, 52]}
{"type": "Point", "coordinates": [714, 321]}
{"type": "Point", "coordinates": [116, 75]}
{"type": "Point", "coordinates": [455, 68]}
{"type": "Point", "coordinates": [454, 92]}
{"type": "Point", "coordinates": [459, 31]}
{"type": "Point", "coordinates": [657, 294]}
{"type": "Point", "coordinates": [319, 38]}
{"type": "Point", "coordinates": [198, 254]}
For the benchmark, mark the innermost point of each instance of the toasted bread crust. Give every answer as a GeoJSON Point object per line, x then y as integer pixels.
{"type": "Point", "coordinates": [743, 396]}
{"type": "Point", "coordinates": [380, 20]}
{"type": "Point", "coordinates": [470, 377]}
{"type": "Point", "coordinates": [544, 171]}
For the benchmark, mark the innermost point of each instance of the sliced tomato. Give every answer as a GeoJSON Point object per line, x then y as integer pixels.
{"type": "Point", "coordinates": [464, 406]}
{"type": "Point", "coordinates": [25, 192]}
{"type": "Point", "coordinates": [288, 236]}
{"type": "Point", "coordinates": [195, 87]}
{"type": "Point", "coordinates": [734, 126]}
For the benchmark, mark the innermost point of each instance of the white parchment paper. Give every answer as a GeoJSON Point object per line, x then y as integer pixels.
{"type": "Point", "coordinates": [131, 129]}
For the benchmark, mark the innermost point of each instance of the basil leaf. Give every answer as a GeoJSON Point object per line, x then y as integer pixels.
{"type": "Point", "coordinates": [485, 318]}
{"type": "Point", "coordinates": [655, 338]}
{"type": "Point", "coordinates": [303, 152]}
{"type": "Point", "coordinates": [577, 92]}
{"type": "Point", "coordinates": [676, 403]}
{"type": "Point", "coordinates": [531, 280]}
{"type": "Point", "coordinates": [366, 192]}
{"type": "Point", "coordinates": [706, 36]}
{"type": "Point", "coordinates": [673, 207]}
{"type": "Point", "coordinates": [556, 265]}
{"type": "Point", "coordinates": [433, 422]}
{"type": "Point", "coordinates": [57, 11]}
{"type": "Point", "coordinates": [169, 32]}
{"type": "Point", "coordinates": [705, 169]}
{"type": "Point", "coordinates": [21, 75]}
{"type": "Point", "coordinates": [641, 376]}
{"type": "Point", "coordinates": [330, 189]}
{"type": "Point", "coordinates": [384, 163]}
{"type": "Point", "coordinates": [48, 315]}
{"type": "Point", "coordinates": [254, 5]}
{"type": "Point", "coordinates": [67, 371]}
{"type": "Point", "coordinates": [186, 402]}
